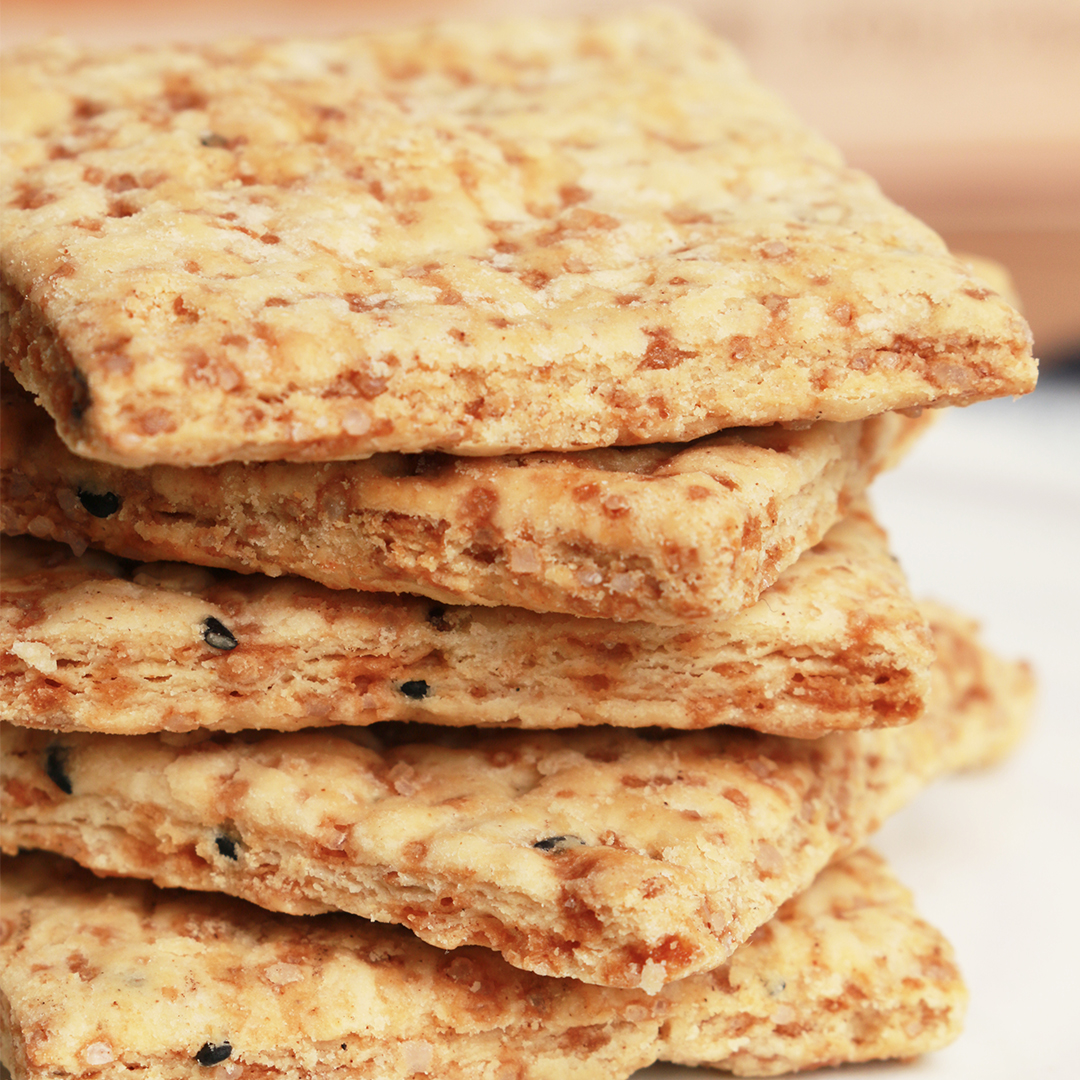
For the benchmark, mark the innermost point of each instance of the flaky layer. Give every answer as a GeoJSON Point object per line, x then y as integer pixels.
{"type": "Point", "coordinates": [845, 972]}
{"type": "Point", "coordinates": [479, 239]}
{"type": "Point", "coordinates": [620, 858]}
{"type": "Point", "coordinates": [661, 534]}
{"type": "Point", "coordinates": [94, 644]}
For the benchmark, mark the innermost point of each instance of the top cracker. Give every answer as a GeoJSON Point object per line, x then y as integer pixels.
{"type": "Point", "coordinates": [532, 235]}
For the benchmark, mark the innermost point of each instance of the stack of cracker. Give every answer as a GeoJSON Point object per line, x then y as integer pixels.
{"type": "Point", "coordinates": [436, 461]}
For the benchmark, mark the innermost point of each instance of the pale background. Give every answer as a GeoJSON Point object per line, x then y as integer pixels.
{"type": "Point", "coordinates": [967, 112]}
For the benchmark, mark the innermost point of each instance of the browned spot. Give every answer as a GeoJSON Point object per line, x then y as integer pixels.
{"type": "Point", "coordinates": [739, 347]}
{"type": "Point", "coordinates": [571, 194]}
{"type": "Point", "coordinates": [79, 964]}
{"type": "Point", "coordinates": [734, 795]}
{"type": "Point", "coordinates": [156, 421]}
{"type": "Point", "coordinates": [686, 215]}
{"type": "Point", "coordinates": [596, 683]}
{"type": "Point", "coordinates": [499, 322]}
{"type": "Point", "coordinates": [475, 408]}
{"type": "Point", "coordinates": [615, 506]}
{"type": "Point", "coordinates": [85, 109]}
{"type": "Point", "coordinates": [265, 333]}
{"type": "Point", "coordinates": [270, 238]}
{"type": "Point", "coordinates": [358, 382]}
{"type": "Point", "coordinates": [192, 267]}
{"type": "Point", "coordinates": [535, 279]}
{"type": "Point", "coordinates": [478, 505]}
{"type": "Point", "coordinates": [626, 299]}
{"type": "Point", "coordinates": [202, 370]}
{"type": "Point", "coordinates": [658, 404]}
{"type": "Point", "coordinates": [677, 281]}
{"type": "Point", "coordinates": [328, 112]}
{"type": "Point", "coordinates": [180, 93]}
{"type": "Point", "coordinates": [415, 851]}
{"type": "Point", "coordinates": [653, 887]}
{"type": "Point", "coordinates": [843, 314]}
{"type": "Point", "coordinates": [584, 492]}
{"type": "Point", "coordinates": [121, 182]}
{"type": "Point", "coordinates": [234, 339]}
{"type": "Point", "coordinates": [678, 558]}
{"type": "Point", "coordinates": [584, 1041]}
{"type": "Point", "coordinates": [457, 335]}
{"type": "Point", "coordinates": [673, 951]}
{"type": "Point", "coordinates": [122, 208]}
{"type": "Point", "coordinates": [64, 270]}
{"type": "Point", "coordinates": [182, 311]}
{"type": "Point", "coordinates": [449, 296]}
{"type": "Point", "coordinates": [278, 301]}
{"type": "Point", "coordinates": [696, 491]}
{"type": "Point", "coordinates": [775, 304]}
{"type": "Point", "coordinates": [112, 356]}
{"type": "Point", "coordinates": [978, 293]}
{"type": "Point", "coordinates": [30, 197]}
{"type": "Point", "coordinates": [94, 225]}
{"type": "Point", "coordinates": [662, 353]}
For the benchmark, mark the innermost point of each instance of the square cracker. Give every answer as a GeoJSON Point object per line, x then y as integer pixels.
{"type": "Point", "coordinates": [660, 534]}
{"type": "Point", "coordinates": [96, 644]}
{"type": "Point", "coordinates": [475, 238]}
{"type": "Point", "coordinates": [619, 858]}
{"type": "Point", "coordinates": [845, 972]}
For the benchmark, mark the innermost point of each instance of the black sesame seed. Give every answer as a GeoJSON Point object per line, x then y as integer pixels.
{"type": "Point", "coordinates": [226, 847]}
{"type": "Point", "coordinates": [437, 617]}
{"type": "Point", "coordinates": [415, 689]}
{"type": "Point", "coordinates": [212, 1054]}
{"type": "Point", "coordinates": [217, 634]}
{"type": "Point", "coordinates": [101, 506]}
{"type": "Point", "coordinates": [556, 844]}
{"type": "Point", "coordinates": [214, 140]}
{"type": "Point", "coordinates": [56, 767]}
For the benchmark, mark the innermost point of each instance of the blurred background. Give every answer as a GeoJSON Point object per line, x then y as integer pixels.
{"type": "Point", "coordinates": [966, 111]}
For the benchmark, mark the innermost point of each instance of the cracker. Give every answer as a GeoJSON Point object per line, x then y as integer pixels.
{"type": "Point", "coordinates": [95, 644]}
{"type": "Point", "coordinates": [845, 972]}
{"type": "Point", "coordinates": [620, 858]}
{"type": "Point", "coordinates": [659, 534]}
{"type": "Point", "coordinates": [478, 239]}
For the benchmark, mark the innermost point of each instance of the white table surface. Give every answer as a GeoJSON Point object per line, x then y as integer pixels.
{"type": "Point", "coordinates": [985, 515]}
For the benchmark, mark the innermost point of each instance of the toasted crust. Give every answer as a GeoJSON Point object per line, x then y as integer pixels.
{"type": "Point", "coordinates": [93, 644]}
{"type": "Point", "coordinates": [661, 534]}
{"type": "Point", "coordinates": [618, 858]}
{"type": "Point", "coordinates": [163, 974]}
{"type": "Point", "coordinates": [478, 239]}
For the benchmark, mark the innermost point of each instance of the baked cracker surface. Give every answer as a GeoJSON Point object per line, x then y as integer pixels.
{"type": "Point", "coordinates": [661, 534]}
{"type": "Point", "coordinates": [621, 858]}
{"type": "Point", "coordinates": [93, 643]}
{"type": "Point", "coordinates": [845, 972]}
{"type": "Point", "coordinates": [474, 238]}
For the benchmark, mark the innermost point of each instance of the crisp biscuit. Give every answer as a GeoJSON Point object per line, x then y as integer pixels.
{"type": "Point", "coordinates": [479, 239]}
{"type": "Point", "coordinates": [620, 858]}
{"type": "Point", "coordinates": [845, 972]}
{"type": "Point", "coordinates": [659, 534]}
{"type": "Point", "coordinates": [96, 644]}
